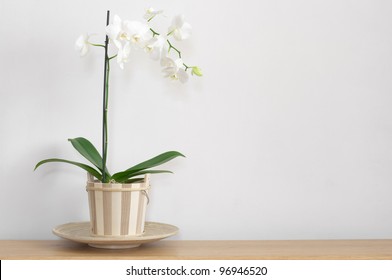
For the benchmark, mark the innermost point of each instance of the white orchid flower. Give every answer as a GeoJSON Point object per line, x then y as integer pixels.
{"type": "Point", "coordinates": [139, 33]}
{"type": "Point", "coordinates": [82, 44]}
{"type": "Point", "coordinates": [125, 34]}
{"type": "Point", "coordinates": [180, 29]}
{"type": "Point", "coordinates": [121, 32]}
{"type": "Point", "coordinates": [116, 31]}
{"type": "Point", "coordinates": [151, 13]}
{"type": "Point", "coordinates": [173, 69]}
{"type": "Point", "coordinates": [155, 47]}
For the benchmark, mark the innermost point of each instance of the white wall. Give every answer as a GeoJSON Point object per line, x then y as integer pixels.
{"type": "Point", "coordinates": [287, 136]}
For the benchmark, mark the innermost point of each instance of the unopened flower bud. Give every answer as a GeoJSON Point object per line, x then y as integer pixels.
{"type": "Point", "coordinates": [196, 71]}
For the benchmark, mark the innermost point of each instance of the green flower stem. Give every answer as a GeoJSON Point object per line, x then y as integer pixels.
{"type": "Point", "coordinates": [96, 45]}
{"type": "Point", "coordinates": [174, 48]}
{"type": "Point", "coordinates": [186, 67]}
{"type": "Point", "coordinates": [154, 33]}
{"type": "Point", "coordinates": [105, 106]}
{"type": "Point", "coordinates": [105, 180]}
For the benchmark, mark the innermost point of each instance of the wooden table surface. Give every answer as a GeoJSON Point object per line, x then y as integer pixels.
{"type": "Point", "coordinates": [194, 250]}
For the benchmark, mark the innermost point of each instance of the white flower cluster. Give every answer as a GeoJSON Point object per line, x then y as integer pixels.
{"type": "Point", "coordinates": [127, 35]}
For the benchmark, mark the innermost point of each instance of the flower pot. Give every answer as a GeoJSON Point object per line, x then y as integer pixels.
{"type": "Point", "coordinates": [117, 209]}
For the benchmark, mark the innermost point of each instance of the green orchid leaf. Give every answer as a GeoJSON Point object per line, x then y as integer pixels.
{"type": "Point", "coordinates": [155, 161]}
{"type": "Point", "coordinates": [133, 180]}
{"type": "Point", "coordinates": [124, 176]}
{"type": "Point", "coordinates": [88, 168]}
{"type": "Point", "coordinates": [87, 150]}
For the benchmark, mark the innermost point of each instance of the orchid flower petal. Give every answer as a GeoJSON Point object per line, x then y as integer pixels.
{"type": "Point", "coordinates": [173, 69]}
{"type": "Point", "coordinates": [151, 13]}
{"type": "Point", "coordinates": [182, 75]}
{"type": "Point", "coordinates": [179, 63]}
{"type": "Point", "coordinates": [82, 44]}
{"type": "Point", "coordinates": [167, 62]}
{"type": "Point", "coordinates": [123, 55]}
{"type": "Point", "coordinates": [138, 33]}
{"type": "Point", "coordinates": [180, 29]}
{"type": "Point", "coordinates": [178, 21]}
{"type": "Point", "coordinates": [155, 47]}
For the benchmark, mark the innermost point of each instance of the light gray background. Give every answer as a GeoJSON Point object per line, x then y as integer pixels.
{"type": "Point", "coordinates": [287, 136]}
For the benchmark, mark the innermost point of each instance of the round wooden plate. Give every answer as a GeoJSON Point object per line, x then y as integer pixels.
{"type": "Point", "coordinates": [80, 232]}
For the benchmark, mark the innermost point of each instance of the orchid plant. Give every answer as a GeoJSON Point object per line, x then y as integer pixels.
{"type": "Point", "coordinates": [128, 36]}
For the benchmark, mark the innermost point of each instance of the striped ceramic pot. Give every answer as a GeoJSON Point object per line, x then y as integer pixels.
{"type": "Point", "coordinates": [117, 209]}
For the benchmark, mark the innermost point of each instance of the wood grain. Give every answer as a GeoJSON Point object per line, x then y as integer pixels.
{"type": "Point", "coordinates": [193, 250]}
